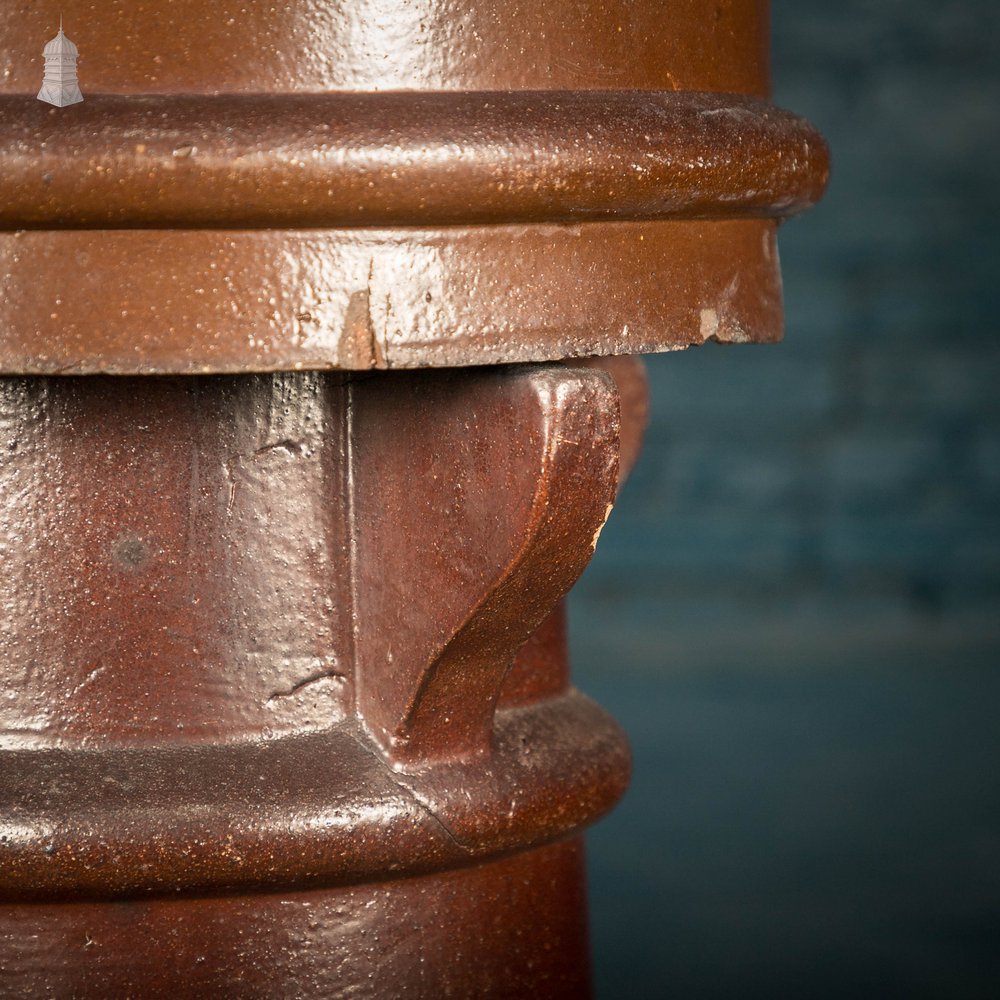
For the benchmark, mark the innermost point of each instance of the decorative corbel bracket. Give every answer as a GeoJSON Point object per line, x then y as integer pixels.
{"type": "Point", "coordinates": [477, 500]}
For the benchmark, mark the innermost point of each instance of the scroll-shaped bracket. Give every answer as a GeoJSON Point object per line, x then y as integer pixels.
{"type": "Point", "coordinates": [477, 500]}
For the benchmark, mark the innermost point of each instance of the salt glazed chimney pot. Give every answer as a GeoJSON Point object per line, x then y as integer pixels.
{"type": "Point", "coordinates": [317, 385]}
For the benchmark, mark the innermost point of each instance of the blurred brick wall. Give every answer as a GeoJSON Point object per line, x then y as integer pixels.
{"type": "Point", "coordinates": [795, 610]}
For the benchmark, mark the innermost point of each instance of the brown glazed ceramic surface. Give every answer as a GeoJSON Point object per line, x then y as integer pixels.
{"type": "Point", "coordinates": [206, 300]}
{"type": "Point", "coordinates": [346, 160]}
{"type": "Point", "coordinates": [390, 184]}
{"type": "Point", "coordinates": [285, 708]}
{"type": "Point", "coordinates": [307, 46]}
{"type": "Point", "coordinates": [511, 929]}
{"type": "Point", "coordinates": [257, 641]}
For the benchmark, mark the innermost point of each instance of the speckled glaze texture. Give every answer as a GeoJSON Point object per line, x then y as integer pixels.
{"type": "Point", "coordinates": [345, 160]}
{"type": "Point", "coordinates": [299, 632]}
{"type": "Point", "coordinates": [417, 185]}
{"type": "Point", "coordinates": [511, 929]}
{"type": "Point", "coordinates": [285, 707]}
{"type": "Point", "coordinates": [226, 47]}
{"type": "Point", "coordinates": [202, 301]}
{"type": "Point", "coordinates": [149, 525]}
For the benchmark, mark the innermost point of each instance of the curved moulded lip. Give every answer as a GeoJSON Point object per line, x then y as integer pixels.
{"type": "Point", "coordinates": [186, 234]}
{"type": "Point", "coordinates": [397, 159]}
{"type": "Point", "coordinates": [323, 807]}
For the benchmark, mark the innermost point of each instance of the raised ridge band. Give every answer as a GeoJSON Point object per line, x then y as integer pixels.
{"type": "Point", "coordinates": [402, 159]}
{"type": "Point", "coordinates": [321, 808]}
